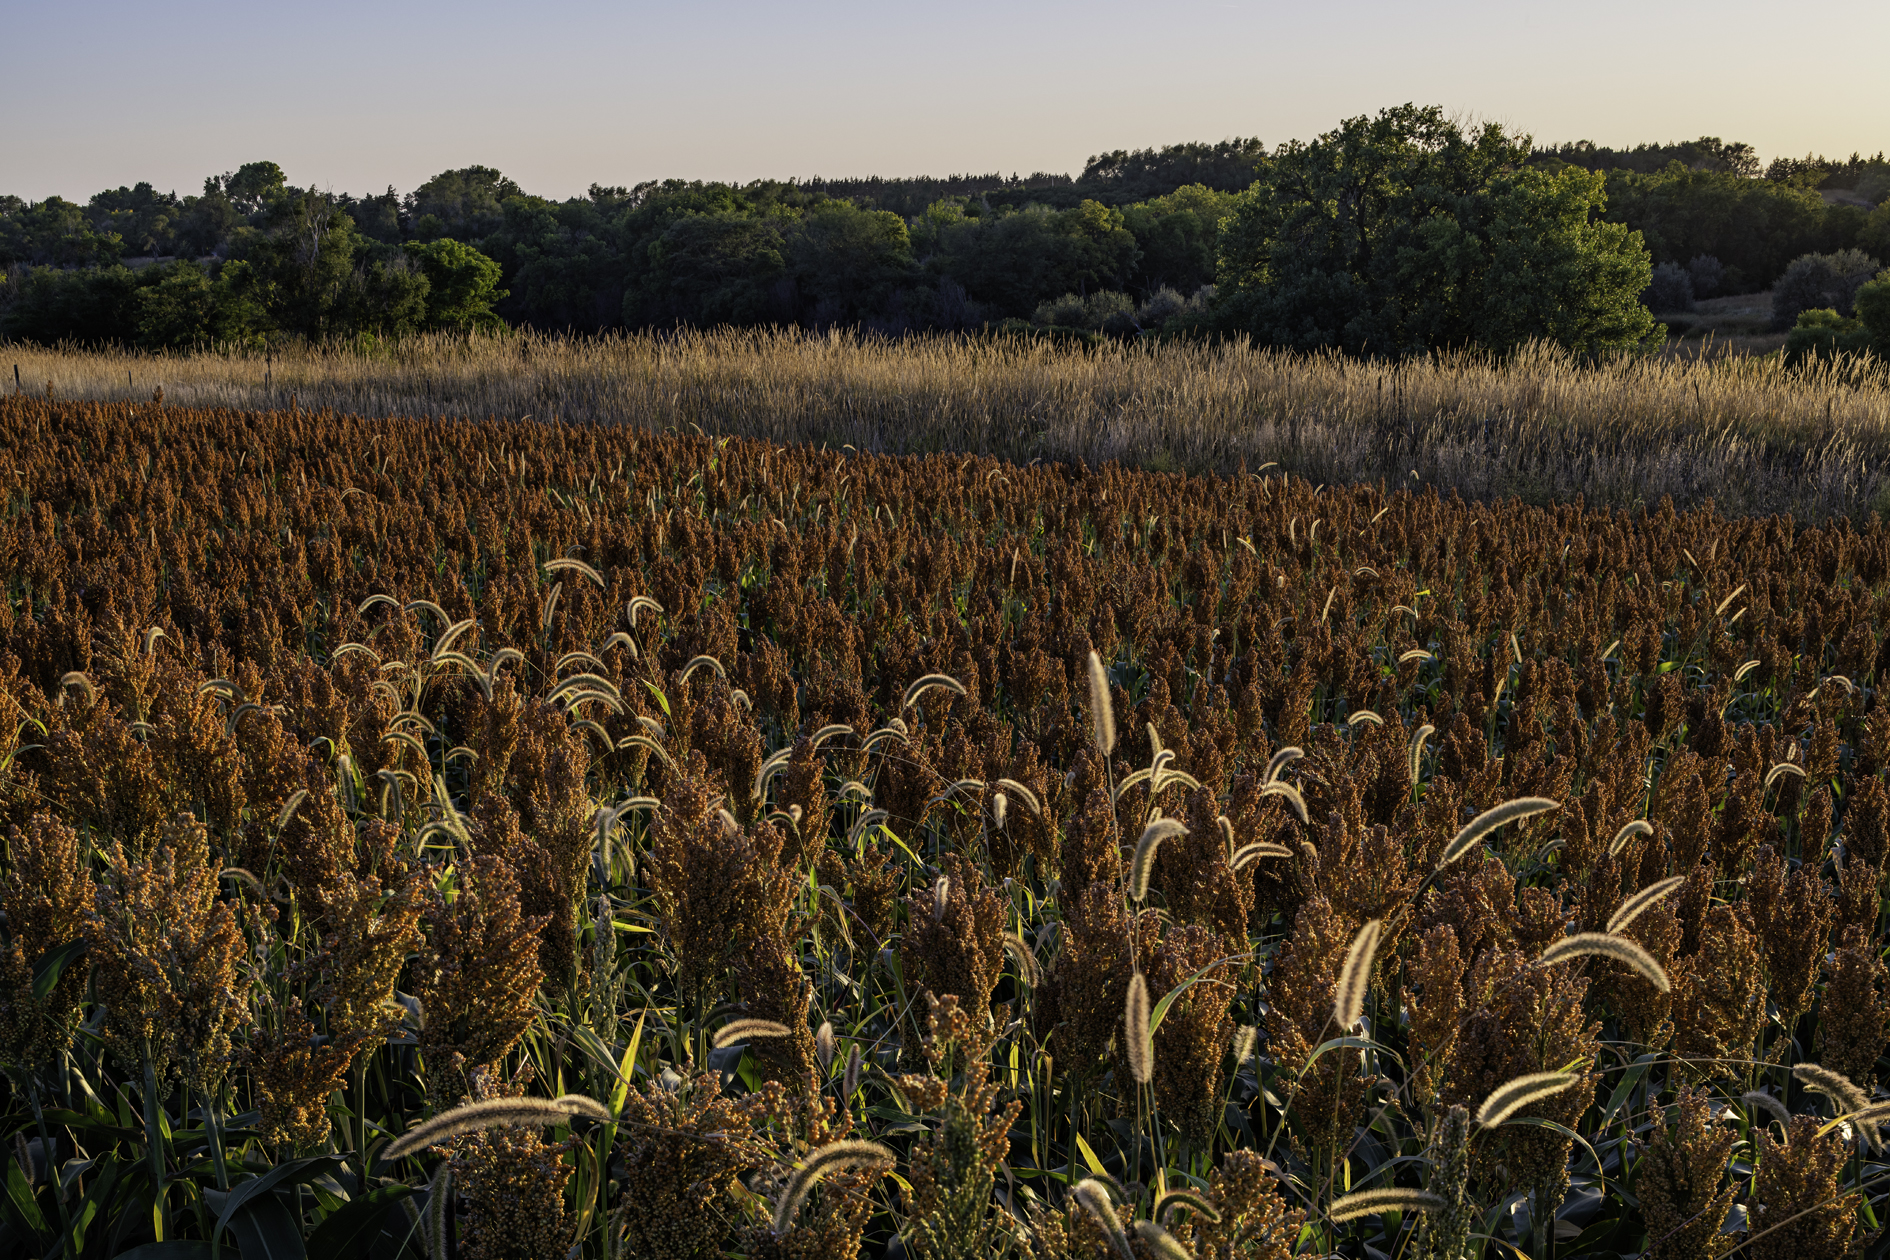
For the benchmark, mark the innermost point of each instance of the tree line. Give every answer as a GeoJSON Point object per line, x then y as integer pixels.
{"type": "Point", "coordinates": [1393, 233]}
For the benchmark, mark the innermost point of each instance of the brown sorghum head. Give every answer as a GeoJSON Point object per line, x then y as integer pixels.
{"type": "Point", "coordinates": [1854, 1014]}
{"type": "Point", "coordinates": [477, 977]}
{"type": "Point", "coordinates": [46, 897]}
{"type": "Point", "coordinates": [1718, 995]}
{"type": "Point", "coordinates": [955, 944]}
{"type": "Point", "coordinates": [1800, 1178]}
{"type": "Point", "coordinates": [1679, 1182]}
{"type": "Point", "coordinates": [164, 951]}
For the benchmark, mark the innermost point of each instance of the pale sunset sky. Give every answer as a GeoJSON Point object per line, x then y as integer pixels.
{"type": "Point", "coordinates": [353, 97]}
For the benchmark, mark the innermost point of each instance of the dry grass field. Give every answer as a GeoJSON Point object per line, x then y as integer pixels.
{"type": "Point", "coordinates": [1745, 433]}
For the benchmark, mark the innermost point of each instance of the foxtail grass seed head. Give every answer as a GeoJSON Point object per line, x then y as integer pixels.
{"type": "Point", "coordinates": [1160, 1242]}
{"type": "Point", "coordinates": [1280, 761]}
{"type": "Point", "coordinates": [1246, 1037]}
{"type": "Point", "coordinates": [941, 897]}
{"type": "Point", "coordinates": [926, 684]}
{"type": "Point", "coordinates": [1781, 769]}
{"type": "Point", "coordinates": [850, 1080]}
{"type": "Point", "coordinates": [1144, 863]}
{"type": "Point", "coordinates": [1507, 1100]}
{"type": "Point", "coordinates": [1140, 1041]}
{"type": "Point", "coordinates": [1417, 744]}
{"type": "Point", "coordinates": [1639, 827]}
{"type": "Point", "coordinates": [474, 1117]}
{"type": "Point", "coordinates": [1019, 792]}
{"type": "Point", "coordinates": [1371, 1202]}
{"type": "Point", "coordinates": [1488, 821]}
{"type": "Point", "coordinates": [1754, 1100]}
{"type": "Point", "coordinates": [1000, 806]}
{"type": "Point", "coordinates": [1631, 908]}
{"type": "Point", "coordinates": [824, 1045]}
{"type": "Point", "coordinates": [1102, 712]}
{"type": "Point", "coordinates": [1027, 969]}
{"type": "Point", "coordinates": [1247, 855]}
{"type": "Point", "coordinates": [1290, 794]}
{"type": "Point", "coordinates": [1092, 1194]}
{"type": "Point", "coordinates": [1606, 945]}
{"type": "Point", "coordinates": [1355, 978]}
{"type": "Point", "coordinates": [829, 1159]}
{"type": "Point", "coordinates": [1185, 1200]}
{"type": "Point", "coordinates": [1836, 1085]}
{"type": "Point", "coordinates": [439, 1211]}
{"type": "Point", "coordinates": [747, 1030]}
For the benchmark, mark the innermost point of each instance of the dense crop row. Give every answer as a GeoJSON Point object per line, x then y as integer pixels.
{"type": "Point", "coordinates": [729, 826]}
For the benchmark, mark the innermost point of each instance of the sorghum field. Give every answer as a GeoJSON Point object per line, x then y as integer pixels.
{"type": "Point", "coordinates": [508, 839]}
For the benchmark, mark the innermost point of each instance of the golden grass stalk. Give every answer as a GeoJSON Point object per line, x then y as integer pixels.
{"type": "Point", "coordinates": [1290, 794]}
{"type": "Point", "coordinates": [1757, 1099]}
{"type": "Point", "coordinates": [439, 1210]}
{"type": "Point", "coordinates": [241, 876]}
{"type": "Point", "coordinates": [824, 1045]}
{"type": "Point", "coordinates": [698, 662]}
{"type": "Point", "coordinates": [1190, 1200]}
{"type": "Point", "coordinates": [571, 565]}
{"type": "Point", "coordinates": [826, 733]}
{"type": "Point", "coordinates": [1102, 712]}
{"type": "Point", "coordinates": [850, 1079]}
{"type": "Point", "coordinates": [1279, 761]}
{"type": "Point", "coordinates": [1027, 969]}
{"type": "Point", "coordinates": [1140, 1042]}
{"type": "Point", "coordinates": [1606, 945]}
{"type": "Point", "coordinates": [748, 1029]}
{"type": "Point", "coordinates": [1364, 716]}
{"type": "Point", "coordinates": [1488, 821]}
{"type": "Point", "coordinates": [1631, 908]}
{"type": "Point", "coordinates": [1248, 854]}
{"type": "Point", "coordinates": [1355, 978]}
{"type": "Point", "coordinates": [492, 1113]}
{"type": "Point", "coordinates": [829, 1159]}
{"type": "Point", "coordinates": [1417, 746]}
{"type": "Point", "coordinates": [926, 684]}
{"type": "Point", "coordinates": [1246, 1037]}
{"type": "Point", "coordinates": [1145, 849]}
{"type": "Point", "coordinates": [1639, 827]}
{"type": "Point", "coordinates": [1160, 1242]}
{"type": "Point", "coordinates": [1093, 1195]}
{"type": "Point", "coordinates": [1781, 769]}
{"type": "Point", "coordinates": [1820, 1079]}
{"type": "Point", "coordinates": [1022, 793]}
{"type": "Point", "coordinates": [1393, 1199]}
{"type": "Point", "coordinates": [1506, 1100]}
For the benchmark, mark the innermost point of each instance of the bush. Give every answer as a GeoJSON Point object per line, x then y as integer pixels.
{"type": "Point", "coordinates": [1670, 290]}
{"type": "Point", "coordinates": [1103, 311]}
{"type": "Point", "coordinates": [1816, 281]}
{"type": "Point", "coordinates": [1824, 335]}
{"type": "Point", "coordinates": [1707, 274]}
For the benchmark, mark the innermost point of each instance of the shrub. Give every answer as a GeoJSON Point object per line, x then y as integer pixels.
{"type": "Point", "coordinates": [1670, 290]}
{"type": "Point", "coordinates": [1707, 274]}
{"type": "Point", "coordinates": [1820, 280]}
{"type": "Point", "coordinates": [1103, 311]}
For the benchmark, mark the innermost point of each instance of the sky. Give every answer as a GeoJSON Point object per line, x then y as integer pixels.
{"type": "Point", "coordinates": [354, 97]}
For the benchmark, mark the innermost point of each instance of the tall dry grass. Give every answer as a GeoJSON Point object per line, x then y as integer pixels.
{"type": "Point", "coordinates": [1746, 433]}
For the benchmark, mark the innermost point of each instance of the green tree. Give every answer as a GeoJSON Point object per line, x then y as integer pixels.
{"type": "Point", "coordinates": [462, 285]}
{"type": "Point", "coordinates": [1873, 312]}
{"type": "Point", "coordinates": [54, 232]}
{"type": "Point", "coordinates": [1178, 236]}
{"type": "Point", "coordinates": [1403, 233]}
{"type": "Point", "coordinates": [1011, 263]}
{"type": "Point", "coordinates": [846, 262]}
{"type": "Point", "coordinates": [465, 204]}
{"type": "Point", "coordinates": [181, 305]}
